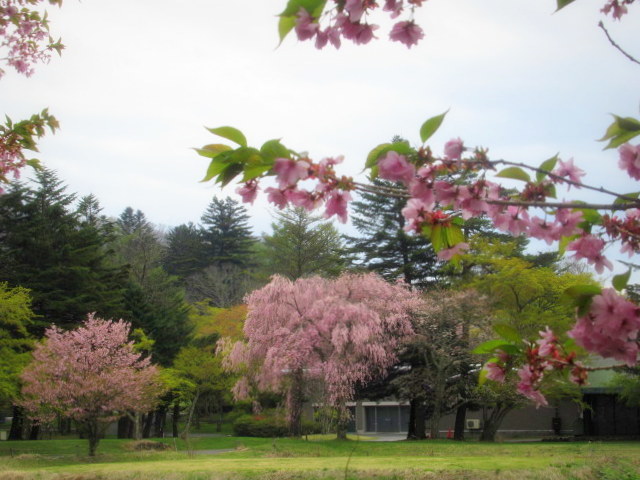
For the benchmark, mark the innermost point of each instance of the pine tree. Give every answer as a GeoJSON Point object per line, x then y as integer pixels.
{"type": "Point", "coordinates": [384, 247]}
{"type": "Point", "coordinates": [184, 255]}
{"type": "Point", "coordinates": [226, 234]}
{"type": "Point", "coordinates": [45, 247]}
{"type": "Point", "coordinates": [303, 244]}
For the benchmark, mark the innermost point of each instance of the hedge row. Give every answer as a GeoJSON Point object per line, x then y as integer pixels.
{"type": "Point", "coordinates": [259, 426]}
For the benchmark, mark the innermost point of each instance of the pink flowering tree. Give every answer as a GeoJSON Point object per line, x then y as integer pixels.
{"type": "Point", "coordinates": [339, 333]}
{"type": "Point", "coordinates": [91, 374]}
{"type": "Point", "coordinates": [24, 42]}
{"type": "Point", "coordinates": [329, 21]}
{"type": "Point", "coordinates": [444, 187]}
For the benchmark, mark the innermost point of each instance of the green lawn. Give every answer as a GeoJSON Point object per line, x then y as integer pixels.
{"type": "Point", "coordinates": [320, 458]}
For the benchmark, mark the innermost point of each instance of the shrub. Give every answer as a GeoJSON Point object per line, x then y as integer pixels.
{"type": "Point", "coordinates": [269, 426]}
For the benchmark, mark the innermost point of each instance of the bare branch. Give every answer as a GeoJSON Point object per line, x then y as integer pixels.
{"type": "Point", "coordinates": [612, 42]}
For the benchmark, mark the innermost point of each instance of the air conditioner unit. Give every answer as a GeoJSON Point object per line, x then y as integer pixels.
{"type": "Point", "coordinates": [473, 424]}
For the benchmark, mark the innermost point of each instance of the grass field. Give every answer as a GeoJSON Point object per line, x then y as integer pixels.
{"type": "Point", "coordinates": [320, 458]}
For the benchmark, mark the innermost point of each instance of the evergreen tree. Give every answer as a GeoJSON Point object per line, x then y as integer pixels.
{"type": "Point", "coordinates": [184, 255]}
{"type": "Point", "coordinates": [303, 244]}
{"type": "Point", "coordinates": [130, 221]}
{"type": "Point", "coordinates": [46, 248]}
{"type": "Point", "coordinates": [384, 247]}
{"type": "Point", "coordinates": [227, 235]}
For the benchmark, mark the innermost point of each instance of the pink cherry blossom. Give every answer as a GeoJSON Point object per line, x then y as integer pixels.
{"type": "Point", "coordinates": [336, 204]}
{"type": "Point", "coordinates": [590, 248]}
{"type": "Point", "coordinates": [406, 32]}
{"type": "Point", "coordinates": [393, 6]}
{"type": "Point", "coordinates": [277, 197]}
{"type": "Point", "coordinates": [617, 7]}
{"type": "Point", "coordinates": [569, 170]}
{"type": "Point", "coordinates": [248, 192]}
{"type": "Point", "coordinates": [453, 149]}
{"type": "Point", "coordinates": [305, 27]}
{"type": "Point", "coordinates": [495, 372]}
{"type": "Point", "coordinates": [449, 253]}
{"type": "Point", "coordinates": [528, 386]}
{"type": "Point", "coordinates": [396, 168]}
{"type": "Point", "coordinates": [355, 10]}
{"type": "Point", "coordinates": [630, 160]}
{"type": "Point", "coordinates": [289, 171]}
{"type": "Point", "coordinates": [546, 342]}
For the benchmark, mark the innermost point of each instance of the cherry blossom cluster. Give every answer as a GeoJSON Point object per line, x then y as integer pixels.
{"type": "Point", "coordinates": [329, 189]}
{"type": "Point", "coordinates": [431, 190]}
{"type": "Point", "coordinates": [542, 357]}
{"type": "Point", "coordinates": [617, 8]}
{"type": "Point", "coordinates": [610, 328]}
{"type": "Point", "coordinates": [24, 35]}
{"type": "Point", "coordinates": [349, 19]}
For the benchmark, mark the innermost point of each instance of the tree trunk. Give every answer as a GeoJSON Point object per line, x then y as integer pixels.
{"type": "Point", "coordinates": [421, 422]}
{"type": "Point", "coordinates": [174, 419]}
{"type": "Point", "coordinates": [294, 402]}
{"type": "Point", "coordinates": [124, 427]}
{"type": "Point", "coordinates": [34, 432]}
{"type": "Point", "coordinates": [136, 419]}
{"type": "Point", "coordinates": [492, 423]}
{"type": "Point", "coordinates": [93, 435]}
{"type": "Point", "coordinates": [160, 421]}
{"type": "Point", "coordinates": [342, 421]}
{"type": "Point", "coordinates": [17, 424]}
{"type": "Point", "coordinates": [411, 429]}
{"type": "Point", "coordinates": [461, 416]}
{"type": "Point", "coordinates": [148, 422]}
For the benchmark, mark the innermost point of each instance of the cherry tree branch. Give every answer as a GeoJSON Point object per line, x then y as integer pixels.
{"type": "Point", "coordinates": [615, 45]}
{"type": "Point", "coordinates": [567, 181]}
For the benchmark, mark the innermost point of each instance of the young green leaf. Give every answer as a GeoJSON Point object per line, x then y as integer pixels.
{"type": "Point", "coordinates": [285, 25]}
{"type": "Point", "coordinates": [216, 167]}
{"type": "Point", "coordinates": [273, 149]}
{"type": "Point", "coordinates": [212, 150]}
{"type": "Point", "coordinates": [507, 332]}
{"type": "Point", "coordinates": [403, 148]}
{"type": "Point", "coordinates": [619, 282]}
{"type": "Point", "coordinates": [230, 133]}
{"type": "Point", "coordinates": [621, 131]}
{"type": "Point", "coordinates": [547, 166]}
{"type": "Point", "coordinates": [230, 172]}
{"type": "Point", "coordinates": [563, 3]}
{"type": "Point", "coordinates": [514, 172]}
{"type": "Point", "coordinates": [430, 127]}
{"type": "Point", "coordinates": [254, 171]}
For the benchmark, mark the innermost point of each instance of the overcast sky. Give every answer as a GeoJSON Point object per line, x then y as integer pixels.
{"type": "Point", "coordinates": [140, 79]}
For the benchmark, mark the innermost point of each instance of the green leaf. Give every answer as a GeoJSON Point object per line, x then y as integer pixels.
{"type": "Point", "coordinates": [514, 172]}
{"type": "Point", "coordinates": [619, 282]}
{"type": "Point", "coordinates": [582, 296]}
{"type": "Point", "coordinates": [563, 3]}
{"type": "Point", "coordinates": [482, 377]}
{"type": "Point", "coordinates": [285, 25]}
{"type": "Point", "coordinates": [619, 201]}
{"type": "Point", "coordinates": [403, 148]}
{"type": "Point", "coordinates": [437, 238]}
{"type": "Point", "coordinates": [453, 235]}
{"type": "Point", "coordinates": [314, 7]}
{"type": "Point", "coordinates": [507, 332]}
{"type": "Point", "coordinates": [493, 345]}
{"type": "Point", "coordinates": [212, 150]}
{"type": "Point", "coordinates": [230, 133]}
{"type": "Point", "coordinates": [547, 166]}
{"type": "Point", "coordinates": [430, 127]}
{"type": "Point", "coordinates": [273, 149]}
{"type": "Point", "coordinates": [254, 171]}
{"type": "Point", "coordinates": [216, 167]}
{"type": "Point", "coordinates": [581, 290]}
{"type": "Point", "coordinates": [230, 172]}
{"type": "Point", "coordinates": [621, 131]}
